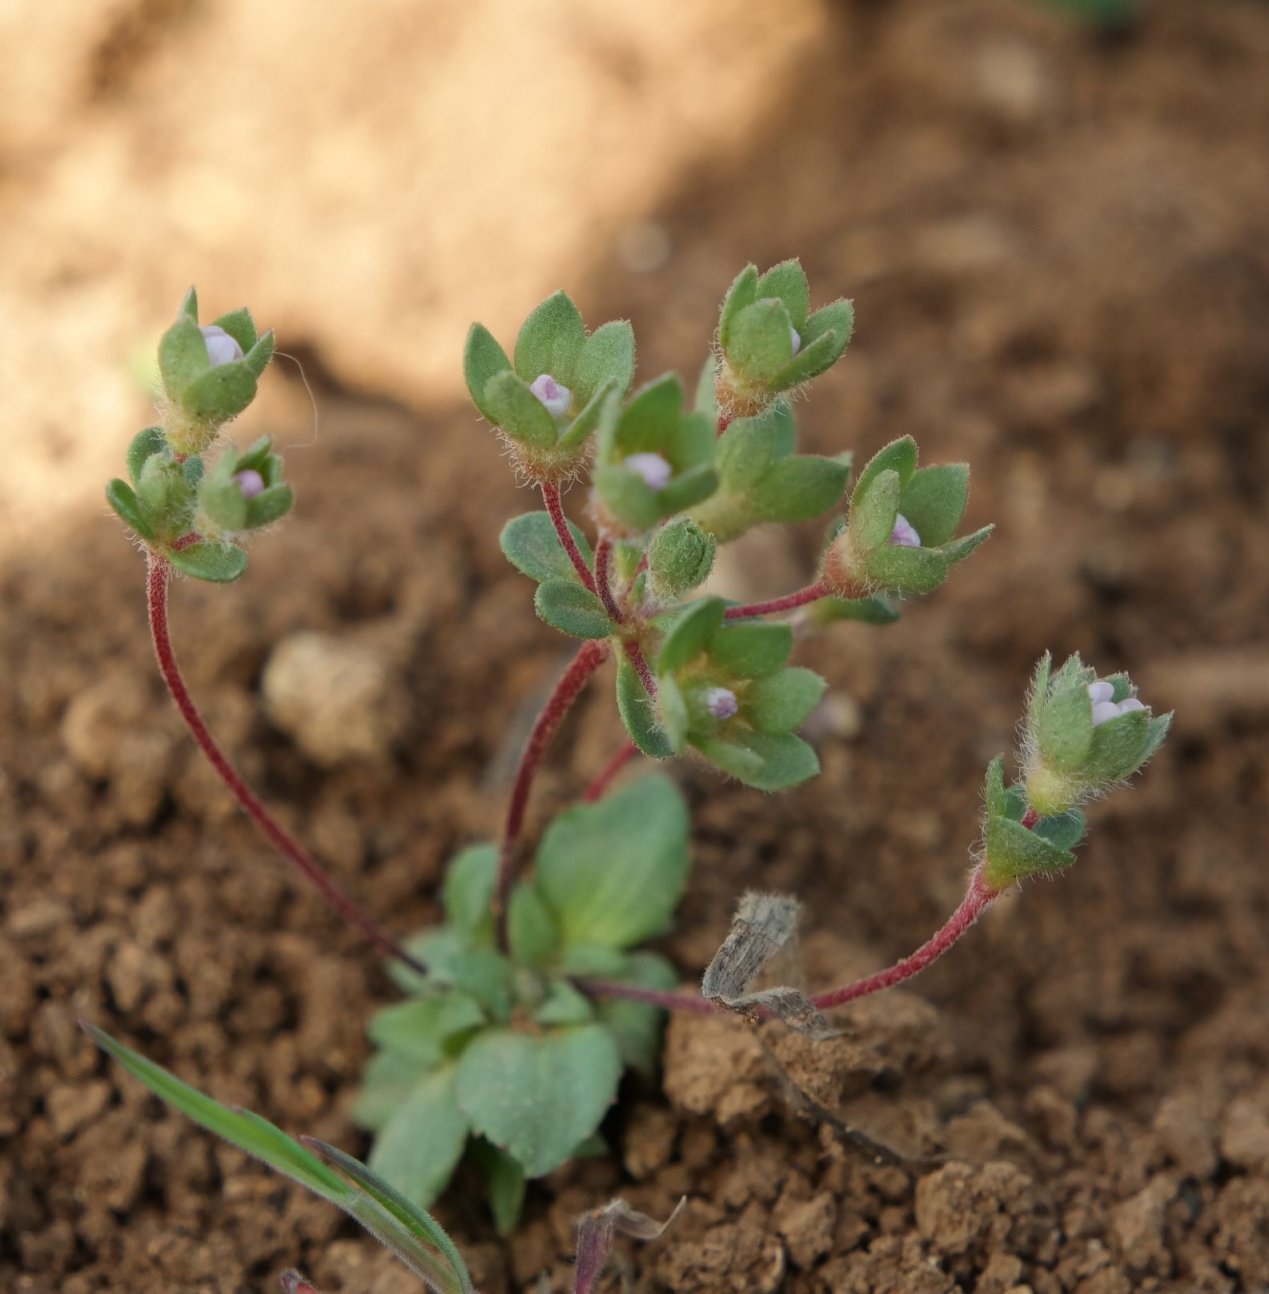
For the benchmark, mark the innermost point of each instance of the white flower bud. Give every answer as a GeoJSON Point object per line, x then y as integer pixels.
{"type": "Point", "coordinates": [904, 534]}
{"type": "Point", "coordinates": [1103, 711]}
{"type": "Point", "coordinates": [795, 339]}
{"type": "Point", "coordinates": [1101, 691]}
{"type": "Point", "coordinates": [221, 347]}
{"type": "Point", "coordinates": [654, 469]}
{"type": "Point", "coordinates": [721, 702]}
{"type": "Point", "coordinates": [555, 398]}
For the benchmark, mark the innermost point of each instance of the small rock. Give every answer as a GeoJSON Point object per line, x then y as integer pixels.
{"type": "Point", "coordinates": [1185, 1134]}
{"type": "Point", "coordinates": [807, 1228]}
{"type": "Point", "coordinates": [1245, 1135]}
{"type": "Point", "coordinates": [71, 1105]}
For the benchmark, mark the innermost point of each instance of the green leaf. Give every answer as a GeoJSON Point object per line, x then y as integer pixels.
{"type": "Point", "coordinates": [959, 549]}
{"type": "Point", "coordinates": [189, 306]}
{"type": "Point", "coordinates": [751, 650]}
{"type": "Point", "coordinates": [537, 1097]}
{"type": "Point", "coordinates": [872, 515]}
{"type": "Point", "coordinates": [706, 400]}
{"type": "Point", "coordinates": [532, 928]}
{"type": "Point", "coordinates": [216, 563]}
{"type": "Point", "coordinates": [654, 408]}
{"type": "Point", "coordinates": [468, 890]}
{"type": "Point", "coordinates": [587, 420]}
{"type": "Point", "coordinates": [551, 340]}
{"type": "Point", "coordinates": [121, 498]}
{"type": "Point", "coordinates": [785, 761]}
{"type": "Point", "coordinates": [614, 871]}
{"type": "Point", "coordinates": [182, 356]}
{"type": "Point", "coordinates": [1013, 852]}
{"type": "Point", "coordinates": [1156, 731]}
{"type": "Point", "coordinates": [258, 357]}
{"type": "Point", "coordinates": [680, 556]}
{"type": "Point", "coordinates": [787, 281]}
{"type": "Point", "coordinates": [483, 359]}
{"type": "Point", "coordinates": [240, 326]}
{"type": "Point", "coordinates": [221, 499]}
{"type": "Point", "coordinates": [608, 355]}
{"type": "Point", "coordinates": [269, 505]}
{"type": "Point", "coordinates": [934, 501]}
{"type": "Point", "coordinates": [636, 1026]}
{"type": "Point", "coordinates": [1118, 746]}
{"type": "Point", "coordinates": [504, 1180]}
{"type": "Point", "coordinates": [899, 456]}
{"type": "Point", "coordinates": [747, 449]}
{"type": "Point", "coordinates": [514, 409]}
{"type": "Point", "coordinates": [761, 344]}
{"type": "Point", "coordinates": [1064, 831]}
{"type": "Point", "coordinates": [742, 763]}
{"type": "Point", "coordinates": [420, 1027]}
{"type": "Point", "coordinates": [907, 570]}
{"type": "Point", "coordinates": [638, 715]}
{"type": "Point", "coordinates": [416, 1222]}
{"type": "Point", "coordinates": [144, 444]}
{"type": "Point", "coordinates": [685, 489]}
{"type": "Point", "coordinates": [389, 1077]}
{"type": "Point", "coordinates": [673, 712]}
{"type": "Point", "coordinates": [594, 960]}
{"type": "Point", "coordinates": [799, 488]}
{"type": "Point", "coordinates": [689, 634]}
{"type": "Point", "coordinates": [835, 321]}
{"type": "Point", "coordinates": [780, 702]}
{"type": "Point", "coordinates": [417, 1149]}
{"type": "Point", "coordinates": [869, 611]}
{"type": "Point", "coordinates": [530, 544]}
{"type": "Point", "coordinates": [1064, 729]}
{"type": "Point", "coordinates": [220, 393]}
{"type": "Point", "coordinates": [564, 1005]}
{"type": "Point", "coordinates": [743, 292]}
{"type": "Point", "coordinates": [572, 609]}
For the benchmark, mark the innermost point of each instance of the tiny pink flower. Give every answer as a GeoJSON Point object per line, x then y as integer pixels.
{"type": "Point", "coordinates": [221, 347]}
{"type": "Point", "coordinates": [721, 702]}
{"type": "Point", "coordinates": [904, 534]}
{"type": "Point", "coordinates": [250, 482]}
{"type": "Point", "coordinates": [555, 398]}
{"type": "Point", "coordinates": [1105, 707]}
{"type": "Point", "coordinates": [654, 469]}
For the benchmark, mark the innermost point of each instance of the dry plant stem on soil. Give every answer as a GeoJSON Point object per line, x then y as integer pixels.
{"type": "Point", "coordinates": [590, 656]}
{"type": "Point", "coordinates": [158, 578]}
{"type": "Point", "coordinates": [978, 897]}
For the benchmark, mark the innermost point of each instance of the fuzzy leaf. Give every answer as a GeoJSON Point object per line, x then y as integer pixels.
{"type": "Point", "coordinates": [835, 321]}
{"type": "Point", "coordinates": [504, 1180]}
{"type": "Point", "coordinates": [799, 488]}
{"type": "Point", "coordinates": [240, 326]}
{"type": "Point", "coordinates": [536, 1097]}
{"type": "Point", "coordinates": [1064, 831]}
{"type": "Point", "coordinates": [638, 715]}
{"type": "Point", "coordinates": [751, 650]}
{"type": "Point", "coordinates": [907, 570]}
{"type": "Point", "coordinates": [532, 928]}
{"type": "Point", "coordinates": [869, 611]}
{"type": "Point", "coordinates": [530, 544]}
{"type": "Point", "coordinates": [608, 355]}
{"type": "Point", "coordinates": [389, 1077]}
{"type": "Point", "coordinates": [571, 608]}
{"type": "Point", "coordinates": [420, 1027]}
{"type": "Point", "coordinates": [417, 1149]}
{"type": "Point", "coordinates": [1064, 729]}
{"type": "Point", "coordinates": [468, 889]}
{"type": "Point", "coordinates": [742, 293]}
{"type": "Point", "coordinates": [121, 498]}
{"type": "Point", "coordinates": [959, 549]}
{"type": "Point", "coordinates": [551, 340]}
{"type": "Point", "coordinates": [898, 456]}
{"type": "Point", "coordinates": [216, 563]}
{"type": "Point", "coordinates": [934, 501]}
{"type": "Point", "coordinates": [269, 506]}
{"type": "Point", "coordinates": [688, 635]}
{"type": "Point", "coordinates": [144, 444]}
{"type": "Point", "coordinates": [613, 871]}
{"type": "Point", "coordinates": [785, 761]}
{"type": "Point", "coordinates": [515, 410]}
{"type": "Point", "coordinates": [220, 393]}
{"type": "Point", "coordinates": [787, 281]}
{"type": "Point", "coordinates": [636, 1026]}
{"type": "Point", "coordinates": [761, 344]}
{"type": "Point", "coordinates": [1013, 852]}
{"type": "Point", "coordinates": [872, 515]}
{"type": "Point", "coordinates": [1118, 746]}
{"type": "Point", "coordinates": [780, 702]}
{"type": "Point", "coordinates": [483, 359]}
{"type": "Point", "coordinates": [182, 356]}
{"type": "Point", "coordinates": [258, 357]}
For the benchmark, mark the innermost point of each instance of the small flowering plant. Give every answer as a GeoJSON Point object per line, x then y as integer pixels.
{"type": "Point", "coordinates": [521, 1010]}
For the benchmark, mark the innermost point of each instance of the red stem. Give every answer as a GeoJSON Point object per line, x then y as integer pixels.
{"type": "Point", "coordinates": [605, 777]}
{"type": "Point", "coordinates": [1030, 818]}
{"type": "Point", "coordinates": [603, 578]}
{"type": "Point", "coordinates": [666, 998]}
{"type": "Point", "coordinates": [590, 656]}
{"type": "Point", "coordinates": [634, 654]}
{"type": "Point", "coordinates": [976, 901]}
{"type": "Point", "coordinates": [158, 574]}
{"type": "Point", "coordinates": [724, 421]}
{"type": "Point", "coordinates": [791, 601]}
{"type": "Point", "coordinates": [555, 506]}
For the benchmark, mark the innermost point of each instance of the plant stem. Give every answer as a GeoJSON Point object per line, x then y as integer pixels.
{"type": "Point", "coordinates": [978, 897]}
{"type": "Point", "coordinates": [606, 775]}
{"type": "Point", "coordinates": [555, 506]}
{"type": "Point", "coordinates": [158, 576]}
{"type": "Point", "coordinates": [634, 654]}
{"type": "Point", "coordinates": [790, 602]}
{"type": "Point", "coordinates": [666, 998]}
{"type": "Point", "coordinates": [590, 656]}
{"type": "Point", "coordinates": [603, 578]}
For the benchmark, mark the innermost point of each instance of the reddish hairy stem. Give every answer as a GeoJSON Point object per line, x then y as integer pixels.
{"type": "Point", "coordinates": [724, 421]}
{"type": "Point", "coordinates": [634, 654]}
{"type": "Point", "coordinates": [158, 574]}
{"type": "Point", "coordinates": [666, 998]}
{"type": "Point", "coordinates": [606, 775]}
{"type": "Point", "coordinates": [978, 897]}
{"type": "Point", "coordinates": [790, 602]}
{"type": "Point", "coordinates": [1030, 818]}
{"type": "Point", "coordinates": [555, 506]}
{"type": "Point", "coordinates": [589, 657]}
{"type": "Point", "coordinates": [603, 578]}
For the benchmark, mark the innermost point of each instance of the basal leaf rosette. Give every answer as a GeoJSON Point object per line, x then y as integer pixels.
{"type": "Point", "coordinates": [504, 1051]}
{"type": "Point", "coordinates": [770, 342]}
{"type": "Point", "coordinates": [762, 480]}
{"type": "Point", "coordinates": [1083, 734]}
{"type": "Point", "coordinates": [900, 535]}
{"type": "Point", "coordinates": [547, 403]}
{"type": "Point", "coordinates": [653, 459]}
{"type": "Point", "coordinates": [724, 690]}
{"type": "Point", "coordinates": [209, 373]}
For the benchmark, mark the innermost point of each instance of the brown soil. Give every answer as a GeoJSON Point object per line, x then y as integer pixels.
{"type": "Point", "coordinates": [1056, 249]}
